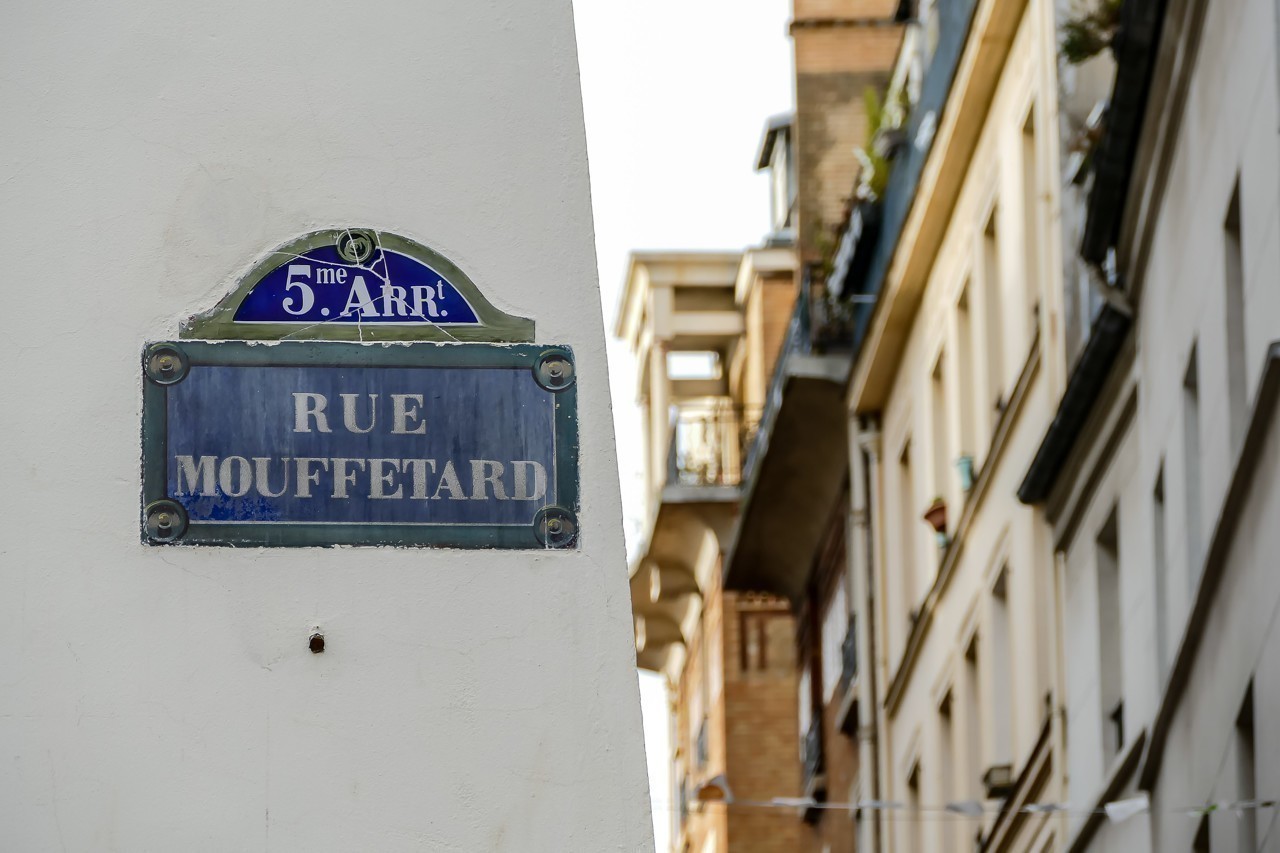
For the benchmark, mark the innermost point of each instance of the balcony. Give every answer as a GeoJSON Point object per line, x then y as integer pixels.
{"type": "Point", "coordinates": [699, 493]}
{"type": "Point", "coordinates": [796, 463]}
{"type": "Point", "coordinates": [706, 442]}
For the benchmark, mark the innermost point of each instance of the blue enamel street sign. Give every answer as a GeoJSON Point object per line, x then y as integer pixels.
{"type": "Point", "coordinates": [310, 443]}
{"type": "Point", "coordinates": [356, 284]}
{"type": "Point", "coordinates": [321, 286]}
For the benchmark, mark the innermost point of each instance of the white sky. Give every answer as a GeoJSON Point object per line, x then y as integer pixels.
{"type": "Point", "coordinates": [676, 93]}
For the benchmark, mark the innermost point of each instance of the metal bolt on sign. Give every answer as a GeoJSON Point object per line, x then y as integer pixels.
{"type": "Point", "coordinates": [166, 521]}
{"type": "Point", "coordinates": [554, 370]}
{"type": "Point", "coordinates": [555, 527]}
{"type": "Point", "coordinates": [356, 245]}
{"type": "Point", "coordinates": [165, 364]}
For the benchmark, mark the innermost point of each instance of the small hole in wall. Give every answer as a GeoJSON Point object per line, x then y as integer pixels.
{"type": "Point", "coordinates": [316, 643]}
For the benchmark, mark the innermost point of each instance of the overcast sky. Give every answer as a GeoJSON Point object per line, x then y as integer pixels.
{"type": "Point", "coordinates": [676, 93]}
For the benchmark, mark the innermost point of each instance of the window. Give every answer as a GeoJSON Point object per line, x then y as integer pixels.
{"type": "Point", "coordinates": [915, 819]}
{"type": "Point", "coordinates": [1161, 570]}
{"type": "Point", "coordinates": [1246, 773]}
{"type": "Point", "coordinates": [992, 297]}
{"type": "Point", "coordinates": [932, 31]}
{"type": "Point", "coordinates": [835, 624]}
{"type": "Point", "coordinates": [907, 520]}
{"type": "Point", "coordinates": [782, 184]}
{"type": "Point", "coordinates": [701, 748]}
{"type": "Point", "coordinates": [966, 344]}
{"type": "Point", "coordinates": [805, 697]}
{"type": "Point", "coordinates": [1191, 465]}
{"type": "Point", "coordinates": [946, 764]}
{"type": "Point", "coordinates": [811, 738]}
{"type": "Point", "coordinates": [941, 438]}
{"type": "Point", "coordinates": [693, 365]}
{"type": "Point", "coordinates": [1002, 681]}
{"type": "Point", "coordinates": [1111, 674]}
{"type": "Point", "coordinates": [1233, 257]}
{"type": "Point", "coordinates": [1031, 219]}
{"type": "Point", "coordinates": [974, 766]}
{"type": "Point", "coordinates": [754, 644]}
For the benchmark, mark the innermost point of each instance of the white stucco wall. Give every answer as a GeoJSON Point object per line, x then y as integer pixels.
{"type": "Point", "coordinates": [165, 698]}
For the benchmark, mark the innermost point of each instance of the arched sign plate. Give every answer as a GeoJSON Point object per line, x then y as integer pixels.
{"type": "Point", "coordinates": [357, 284]}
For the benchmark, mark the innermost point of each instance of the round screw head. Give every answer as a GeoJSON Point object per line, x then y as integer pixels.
{"type": "Point", "coordinates": [165, 364]}
{"type": "Point", "coordinates": [553, 370]}
{"type": "Point", "coordinates": [164, 521]}
{"type": "Point", "coordinates": [356, 245]}
{"type": "Point", "coordinates": [555, 527]}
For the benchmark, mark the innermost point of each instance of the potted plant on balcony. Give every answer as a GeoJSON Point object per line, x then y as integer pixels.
{"type": "Point", "coordinates": [884, 138]}
{"type": "Point", "coordinates": [936, 516]}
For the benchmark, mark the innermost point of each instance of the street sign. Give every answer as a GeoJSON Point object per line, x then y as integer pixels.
{"type": "Point", "coordinates": [310, 443]}
{"type": "Point", "coordinates": [357, 284]}
{"type": "Point", "coordinates": [338, 284]}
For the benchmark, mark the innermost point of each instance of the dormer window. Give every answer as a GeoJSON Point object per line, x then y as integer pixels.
{"type": "Point", "coordinates": [776, 155]}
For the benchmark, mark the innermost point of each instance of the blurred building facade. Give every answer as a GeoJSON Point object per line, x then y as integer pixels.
{"type": "Point", "coordinates": [1005, 377]}
{"type": "Point", "coordinates": [704, 329]}
{"type": "Point", "coordinates": [1159, 471]}
{"type": "Point", "coordinates": [956, 372]}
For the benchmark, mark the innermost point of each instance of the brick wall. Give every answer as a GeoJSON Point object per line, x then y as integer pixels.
{"type": "Point", "coordinates": [844, 9]}
{"type": "Point", "coordinates": [694, 702]}
{"type": "Point", "coordinates": [835, 64]}
{"type": "Point", "coordinates": [762, 741]}
{"type": "Point", "coordinates": [835, 828]}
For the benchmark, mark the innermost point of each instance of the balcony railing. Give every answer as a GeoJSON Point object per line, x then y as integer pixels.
{"type": "Point", "coordinates": [866, 252]}
{"type": "Point", "coordinates": [816, 327]}
{"type": "Point", "coordinates": [707, 441]}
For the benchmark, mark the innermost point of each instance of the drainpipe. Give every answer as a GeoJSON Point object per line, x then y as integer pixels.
{"type": "Point", "coordinates": [864, 461]}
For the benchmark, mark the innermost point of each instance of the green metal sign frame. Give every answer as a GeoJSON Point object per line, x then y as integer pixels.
{"type": "Point", "coordinates": [163, 520]}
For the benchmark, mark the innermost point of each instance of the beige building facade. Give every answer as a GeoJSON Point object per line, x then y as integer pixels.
{"type": "Point", "coordinates": [704, 331]}
{"type": "Point", "coordinates": [985, 544]}
{"type": "Point", "coordinates": [954, 384]}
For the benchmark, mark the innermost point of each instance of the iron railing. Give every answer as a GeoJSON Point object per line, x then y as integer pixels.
{"type": "Point", "coordinates": [861, 275]}
{"type": "Point", "coordinates": [817, 327]}
{"type": "Point", "coordinates": [706, 442]}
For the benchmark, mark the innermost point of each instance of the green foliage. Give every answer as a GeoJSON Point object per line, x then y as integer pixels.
{"type": "Point", "coordinates": [1090, 31]}
{"type": "Point", "coordinates": [874, 110]}
{"type": "Point", "coordinates": [874, 177]}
